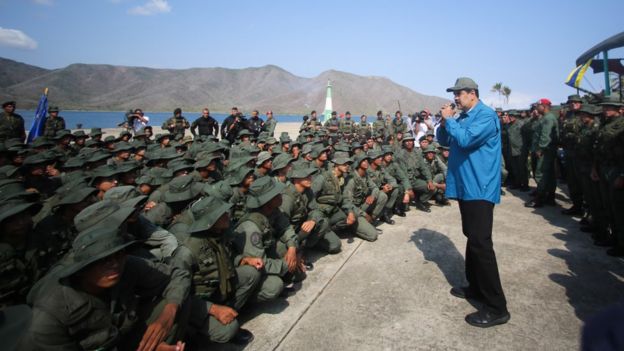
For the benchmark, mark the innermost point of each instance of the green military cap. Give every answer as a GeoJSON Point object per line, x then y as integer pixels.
{"type": "Point", "coordinates": [341, 159]}
{"type": "Point", "coordinates": [92, 143]}
{"type": "Point", "coordinates": [373, 154]}
{"type": "Point", "coordinates": [53, 109]}
{"type": "Point", "coordinates": [221, 190]}
{"type": "Point", "coordinates": [13, 143]}
{"type": "Point", "coordinates": [611, 100]}
{"type": "Point", "coordinates": [93, 245]}
{"type": "Point", "coordinates": [138, 144]}
{"type": "Point", "coordinates": [262, 191]}
{"type": "Point", "coordinates": [430, 132]}
{"type": "Point", "coordinates": [463, 83]}
{"type": "Point", "coordinates": [356, 145]}
{"type": "Point", "coordinates": [213, 147]}
{"type": "Point", "coordinates": [179, 165]}
{"type": "Point", "coordinates": [357, 159]}
{"type": "Point", "coordinates": [8, 103]}
{"type": "Point", "coordinates": [159, 137]}
{"type": "Point", "coordinates": [95, 132]}
{"type": "Point", "coordinates": [123, 146]}
{"type": "Point", "coordinates": [240, 161]}
{"type": "Point", "coordinates": [205, 160]}
{"type": "Point", "coordinates": [129, 166]}
{"type": "Point", "coordinates": [109, 139]}
{"type": "Point", "coordinates": [271, 141]}
{"type": "Point", "coordinates": [139, 134]}
{"type": "Point", "coordinates": [8, 171]}
{"type": "Point", "coordinates": [14, 189]}
{"type": "Point", "coordinates": [124, 133]}
{"type": "Point", "coordinates": [408, 137]}
{"type": "Point", "coordinates": [238, 175]}
{"type": "Point", "coordinates": [98, 155]}
{"type": "Point", "coordinates": [307, 148]}
{"type": "Point", "coordinates": [206, 212]}
{"type": "Point", "coordinates": [281, 161]}
{"type": "Point", "coordinates": [72, 195]}
{"type": "Point", "coordinates": [244, 132]}
{"type": "Point", "coordinates": [424, 137]}
{"type": "Point", "coordinates": [430, 148]}
{"type": "Point", "coordinates": [104, 171]}
{"type": "Point", "coordinates": [263, 157]}
{"type": "Point", "coordinates": [42, 141]}
{"type": "Point", "coordinates": [37, 159]}
{"type": "Point", "coordinates": [261, 140]}
{"type": "Point", "coordinates": [302, 172]}
{"type": "Point", "coordinates": [60, 134]}
{"type": "Point", "coordinates": [591, 110]}
{"type": "Point", "coordinates": [306, 134]}
{"type": "Point", "coordinates": [387, 149]}
{"type": "Point", "coordinates": [186, 139]}
{"type": "Point", "coordinates": [183, 188]}
{"type": "Point", "coordinates": [318, 149]}
{"type": "Point", "coordinates": [125, 196]}
{"type": "Point", "coordinates": [342, 148]}
{"type": "Point", "coordinates": [147, 179]}
{"type": "Point", "coordinates": [442, 147]}
{"type": "Point", "coordinates": [102, 212]}
{"type": "Point", "coordinates": [80, 134]}
{"type": "Point", "coordinates": [14, 206]}
{"type": "Point", "coordinates": [285, 138]}
{"type": "Point", "coordinates": [513, 112]}
{"type": "Point", "coordinates": [574, 98]}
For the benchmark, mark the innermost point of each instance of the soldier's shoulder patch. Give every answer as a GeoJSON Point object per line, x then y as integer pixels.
{"type": "Point", "coordinates": [256, 239]}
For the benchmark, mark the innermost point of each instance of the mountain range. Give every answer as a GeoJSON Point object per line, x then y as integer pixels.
{"type": "Point", "coordinates": [115, 88]}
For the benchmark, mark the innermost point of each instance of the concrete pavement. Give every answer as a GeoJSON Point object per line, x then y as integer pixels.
{"type": "Point", "coordinates": [393, 294]}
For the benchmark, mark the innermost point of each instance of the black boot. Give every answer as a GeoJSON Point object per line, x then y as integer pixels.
{"type": "Point", "coordinates": [399, 210]}
{"type": "Point", "coordinates": [386, 216]}
{"type": "Point", "coordinates": [419, 205]}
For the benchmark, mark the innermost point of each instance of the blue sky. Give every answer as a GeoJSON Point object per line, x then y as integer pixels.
{"type": "Point", "coordinates": [529, 45]}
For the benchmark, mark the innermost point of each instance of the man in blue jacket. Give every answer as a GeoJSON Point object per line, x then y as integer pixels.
{"type": "Point", "coordinates": [473, 179]}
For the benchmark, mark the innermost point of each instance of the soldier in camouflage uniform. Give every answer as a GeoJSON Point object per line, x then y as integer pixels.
{"type": "Point", "coordinates": [11, 124]}
{"type": "Point", "coordinates": [270, 123]}
{"type": "Point", "coordinates": [364, 130]}
{"type": "Point", "coordinates": [438, 173]}
{"type": "Point", "coordinates": [332, 124]}
{"type": "Point", "coordinates": [53, 123]}
{"type": "Point", "coordinates": [527, 130]}
{"type": "Point", "coordinates": [395, 171]}
{"type": "Point", "coordinates": [570, 128]}
{"type": "Point", "coordinates": [177, 124]}
{"type": "Point", "coordinates": [219, 289]}
{"type": "Point", "coordinates": [418, 173]}
{"type": "Point", "coordinates": [384, 182]}
{"type": "Point", "coordinates": [347, 127]}
{"type": "Point", "coordinates": [398, 125]}
{"type": "Point", "coordinates": [363, 192]}
{"type": "Point", "coordinates": [609, 170]}
{"type": "Point", "coordinates": [240, 180]}
{"type": "Point", "coordinates": [379, 125]}
{"type": "Point", "coordinates": [514, 135]}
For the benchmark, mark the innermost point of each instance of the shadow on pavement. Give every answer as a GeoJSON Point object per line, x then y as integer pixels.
{"type": "Point", "coordinates": [439, 249]}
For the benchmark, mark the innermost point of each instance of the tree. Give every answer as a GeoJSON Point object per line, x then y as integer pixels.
{"type": "Point", "coordinates": [498, 89]}
{"type": "Point", "coordinates": [506, 91]}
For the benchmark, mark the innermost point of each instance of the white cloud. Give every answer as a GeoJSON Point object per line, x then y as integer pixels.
{"type": "Point", "coordinates": [44, 2]}
{"type": "Point", "coordinates": [152, 7]}
{"type": "Point", "coordinates": [17, 39]}
{"type": "Point", "coordinates": [518, 100]}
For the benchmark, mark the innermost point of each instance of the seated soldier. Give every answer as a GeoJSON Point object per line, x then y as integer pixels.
{"type": "Point", "coordinates": [299, 205]}
{"type": "Point", "coordinates": [363, 192]}
{"type": "Point", "coordinates": [438, 171]}
{"type": "Point", "coordinates": [282, 164]}
{"type": "Point", "coordinates": [240, 181]}
{"type": "Point", "coordinates": [220, 289]}
{"type": "Point", "coordinates": [102, 298]}
{"type": "Point", "coordinates": [396, 172]}
{"type": "Point", "coordinates": [384, 182]}
{"type": "Point", "coordinates": [418, 174]}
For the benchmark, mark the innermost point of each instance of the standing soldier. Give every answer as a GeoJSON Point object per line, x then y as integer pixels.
{"type": "Point", "coordinates": [364, 130]}
{"type": "Point", "coordinates": [398, 125]}
{"type": "Point", "coordinates": [53, 123]}
{"type": "Point", "coordinates": [570, 128]}
{"type": "Point", "coordinates": [609, 171]}
{"type": "Point", "coordinates": [379, 125]}
{"type": "Point", "coordinates": [11, 124]}
{"type": "Point", "coordinates": [347, 126]}
{"type": "Point", "coordinates": [177, 124]}
{"type": "Point", "coordinates": [332, 124]}
{"type": "Point", "coordinates": [255, 124]}
{"type": "Point", "coordinates": [270, 123]}
{"type": "Point", "coordinates": [527, 131]}
{"type": "Point", "coordinates": [545, 146]}
{"type": "Point", "coordinates": [514, 135]}
{"type": "Point", "coordinates": [207, 125]}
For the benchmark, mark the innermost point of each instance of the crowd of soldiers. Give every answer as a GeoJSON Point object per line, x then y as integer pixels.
{"type": "Point", "coordinates": [582, 142]}
{"type": "Point", "coordinates": [142, 241]}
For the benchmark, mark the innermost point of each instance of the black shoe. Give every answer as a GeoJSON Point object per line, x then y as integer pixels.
{"type": "Point", "coordinates": [308, 265]}
{"type": "Point", "coordinates": [443, 201]}
{"type": "Point", "coordinates": [524, 189]}
{"type": "Point", "coordinates": [483, 319]}
{"type": "Point", "coordinates": [419, 205]}
{"type": "Point", "coordinates": [242, 337]}
{"type": "Point", "coordinates": [616, 252]}
{"type": "Point", "coordinates": [386, 217]}
{"type": "Point", "coordinates": [573, 211]}
{"type": "Point", "coordinates": [503, 193]}
{"type": "Point", "coordinates": [399, 212]}
{"type": "Point", "coordinates": [463, 292]}
{"type": "Point", "coordinates": [534, 204]}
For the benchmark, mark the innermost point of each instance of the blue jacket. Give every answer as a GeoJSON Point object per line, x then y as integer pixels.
{"type": "Point", "coordinates": [474, 166]}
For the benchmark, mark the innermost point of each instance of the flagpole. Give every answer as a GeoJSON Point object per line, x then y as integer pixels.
{"type": "Point", "coordinates": [605, 65]}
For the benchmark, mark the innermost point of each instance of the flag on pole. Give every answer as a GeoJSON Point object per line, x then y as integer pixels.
{"type": "Point", "coordinates": [40, 118]}
{"type": "Point", "coordinates": [575, 77]}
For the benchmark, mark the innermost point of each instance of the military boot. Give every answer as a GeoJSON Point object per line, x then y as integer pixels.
{"type": "Point", "coordinates": [386, 216]}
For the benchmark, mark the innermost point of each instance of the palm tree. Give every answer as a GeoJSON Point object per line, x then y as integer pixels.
{"type": "Point", "coordinates": [506, 91]}
{"type": "Point", "coordinates": [498, 89]}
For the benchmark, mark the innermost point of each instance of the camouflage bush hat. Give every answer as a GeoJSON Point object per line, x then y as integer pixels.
{"type": "Point", "coordinates": [180, 165]}
{"type": "Point", "coordinates": [430, 148]}
{"type": "Point", "coordinates": [244, 132]}
{"type": "Point", "coordinates": [318, 149]}
{"type": "Point", "coordinates": [239, 174]}
{"type": "Point", "coordinates": [213, 147]}
{"type": "Point", "coordinates": [37, 159]}
{"type": "Point", "coordinates": [159, 137]}
{"type": "Point", "coordinates": [262, 191]}
{"type": "Point", "coordinates": [72, 195]}
{"type": "Point", "coordinates": [359, 158]}
{"type": "Point", "coordinates": [124, 133]}
{"type": "Point", "coordinates": [147, 179]}
{"type": "Point", "coordinates": [15, 206]}
{"type": "Point", "coordinates": [221, 190]}
{"type": "Point", "coordinates": [302, 172]}
{"type": "Point", "coordinates": [8, 171]}
{"type": "Point", "coordinates": [74, 162]}
{"type": "Point", "coordinates": [104, 171]}
{"type": "Point", "coordinates": [126, 196]}
{"type": "Point", "coordinates": [93, 245]}
{"type": "Point", "coordinates": [240, 161]}
{"type": "Point", "coordinates": [387, 149]}
{"type": "Point", "coordinates": [591, 110]}
{"type": "Point", "coordinates": [574, 98]}
{"type": "Point", "coordinates": [341, 159]}
{"type": "Point", "coordinates": [373, 154]}
{"type": "Point", "coordinates": [285, 138]}
{"type": "Point", "coordinates": [271, 141]}
{"type": "Point", "coordinates": [123, 146]}
{"type": "Point", "coordinates": [204, 161]}
{"type": "Point", "coordinates": [206, 212]}
{"type": "Point", "coordinates": [442, 147]}
{"type": "Point", "coordinates": [41, 142]}
{"type": "Point", "coordinates": [408, 137]}
{"type": "Point", "coordinates": [97, 156]}
{"type": "Point", "coordinates": [282, 160]}
{"type": "Point", "coordinates": [129, 166]}
{"type": "Point", "coordinates": [611, 100]}
{"type": "Point", "coordinates": [105, 212]}
{"type": "Point", "coordinates": [95, 132]}
{"type": "Point", "coordinates": [341, 147]}
{"type": "Point", "coordinates": [183, 188]}
{"type": "Point", "coordinates": [263, 157]}
{"type": "Point", "coordinates": [109, 139]}
{"type": "Point", "coordinates": [307, 148]}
